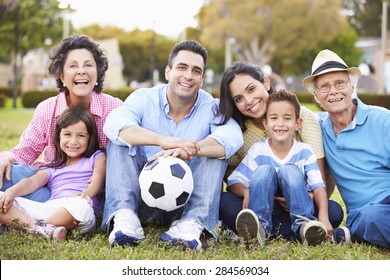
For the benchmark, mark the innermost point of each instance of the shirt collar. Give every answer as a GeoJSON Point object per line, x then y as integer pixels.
{"type": "Point", "coordinates": [95, 106]}
{"type": "Point", "coordinates": [361, 112]}
{"type": "Point", "coordinates": [165, 104]}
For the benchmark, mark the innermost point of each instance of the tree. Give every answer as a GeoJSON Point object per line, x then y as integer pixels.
{"type": "Point", "coordinates": [300, 62]}
{"type": "Point", "coordinates": [142, 51]}
{"type": "Point", "coordinates": [6, 7]}
{"type": "Point", "coordinates": [365, 16]}
{"type": "Point", "coordinates": [265, 29]}
{"type": "Point", "coordinates": [25, 26]}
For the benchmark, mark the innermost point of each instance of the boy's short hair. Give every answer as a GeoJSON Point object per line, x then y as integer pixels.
{"type": "Point", "coordinates": [285, 95]}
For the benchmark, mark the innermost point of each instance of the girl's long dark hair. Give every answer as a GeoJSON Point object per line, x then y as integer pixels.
{"type": "Point", "coordinates": [227, 109]}
{"type": "Point", "coordinates": [68, 117]}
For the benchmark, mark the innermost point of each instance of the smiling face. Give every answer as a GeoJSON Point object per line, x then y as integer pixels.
{"type": "Point", "coordinates": [250, 95]}
{"type": "Point", "coordinates": [281, 122]}
{"type": "Point", "coordinates": [185, 78]}
{"type": "Point", "coordinates": [334, 101]}
{"type": "Point", "coordinates": [74, 140]}
{"type": "Point", "coordinates": [79, 73]}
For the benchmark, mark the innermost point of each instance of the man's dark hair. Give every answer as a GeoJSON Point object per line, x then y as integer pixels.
{"type": "Point", "coordinates": [192, 46]}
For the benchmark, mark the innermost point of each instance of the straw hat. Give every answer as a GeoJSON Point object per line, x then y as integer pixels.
{"type": "Point", "coordinates": [327, 61]}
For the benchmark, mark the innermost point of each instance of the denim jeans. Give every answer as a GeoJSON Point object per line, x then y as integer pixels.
{"type": "Point", "coordinates": [372, 224]}
{"type": "Point", "coordinates": [123, 192]}
{"type": "Point", "coordinates": [21, 171]}
{"type": "Point", "coordinates": [275, 218]}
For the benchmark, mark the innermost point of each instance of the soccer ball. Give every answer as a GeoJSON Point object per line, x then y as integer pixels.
{"type": "Point", "coordinates": [166, 183]}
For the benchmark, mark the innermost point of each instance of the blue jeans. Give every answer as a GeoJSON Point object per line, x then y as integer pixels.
{"type": "Point", "coordinates": [372, 224]}
{"type": "Point", "coordinates": [276, 220]}
{"type": "Point", "coordinates": [21, 171]}
{"type": "Point", "coordinates": [123, 192]}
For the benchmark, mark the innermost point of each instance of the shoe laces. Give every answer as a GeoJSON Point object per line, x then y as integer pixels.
{"type": "Point", "coordinates": [44, 228]}
{"type": "Point", "coordinates": [191, 227]}
{"type": "Point", "coordinates": [125, 219]}
{"type": "Point", "coordinates": [302, 220]}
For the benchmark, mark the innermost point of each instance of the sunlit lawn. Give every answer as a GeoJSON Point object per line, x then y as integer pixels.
{"type": "Point", "coordinates": [19, 245]}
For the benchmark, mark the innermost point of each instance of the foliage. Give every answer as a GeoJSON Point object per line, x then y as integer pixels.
{"type": "Point", "coordinates": [365, 16]}
{"type": "Point", "coordinates": [30, 99]}
{"type": "Point", "coordinates": [3, 98]}
{"type": "Point", "coordinates": [96, 247]}
{"type": "Point", "coordinates": [6, 90]}
{"type": "Point", "coordinates": [264, 29]}
{"type": "Point", "coordinates": [23, 23]}
{"type": "Point", "coordinates": [141, 51]}
{"type": "Point", "coordinates": [301, 61]}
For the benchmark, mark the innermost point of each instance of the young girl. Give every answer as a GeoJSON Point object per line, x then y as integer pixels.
{"type": "Point", "coordinates": [75, 178]}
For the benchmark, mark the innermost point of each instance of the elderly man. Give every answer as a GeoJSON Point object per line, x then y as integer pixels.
{"type": "Point", "coordinates": [357, 147]}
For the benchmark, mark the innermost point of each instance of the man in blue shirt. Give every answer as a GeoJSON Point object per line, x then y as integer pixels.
{"type": "Point", "coordinates": [177, 119]}
{"type": "Point", "coordinates": [357, 147]}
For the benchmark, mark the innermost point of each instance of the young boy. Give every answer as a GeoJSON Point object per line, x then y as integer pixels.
{"type": "Point", "coordinates": [282, 165]}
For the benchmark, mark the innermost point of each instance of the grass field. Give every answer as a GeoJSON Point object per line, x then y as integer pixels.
{"type": "Point", "coordinates": [17, 245]}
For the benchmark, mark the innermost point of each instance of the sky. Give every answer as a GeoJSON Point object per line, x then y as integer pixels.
{"type": "Point", "coordinates": [166, 17]}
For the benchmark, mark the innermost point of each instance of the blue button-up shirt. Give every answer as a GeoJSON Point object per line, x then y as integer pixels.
{"type": "Point", "coordinates": [149, 108]}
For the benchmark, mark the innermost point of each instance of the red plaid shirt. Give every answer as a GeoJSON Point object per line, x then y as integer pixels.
{"type": "Point", "coordinates": [38, 137]}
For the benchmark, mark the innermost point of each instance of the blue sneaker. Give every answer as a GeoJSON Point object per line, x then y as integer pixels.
{"type": "Point", "coordinates": [341, 235]}
{"type": "Point", "coordinates": [186, 233]}
{"type": "Point", "coordinates": [127, 229]}
{"type": "Point", "coordinates": [3, 228]}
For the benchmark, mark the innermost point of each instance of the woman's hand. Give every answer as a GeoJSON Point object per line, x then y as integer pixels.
{"type": "Point", "coordinates": [5, 170]}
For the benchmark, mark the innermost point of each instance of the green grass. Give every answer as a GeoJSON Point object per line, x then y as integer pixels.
{"type": "Point", "coordinates": [18, 245]}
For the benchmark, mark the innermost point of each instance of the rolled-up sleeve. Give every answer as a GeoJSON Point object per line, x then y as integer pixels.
{"type": "Point", "coordinates": [229, 135]}
{"type": "Point", "coordinates": [122, 117]}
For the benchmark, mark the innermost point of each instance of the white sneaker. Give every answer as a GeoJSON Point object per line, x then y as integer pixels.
{"type": "Point", "coordinates": [186, 233]}
{"type": "Point", "coordinates": [247, 225]}
{"type": "Point", "coordinates": [127, 229]}
{"type": "Point", "coordinates": [312, 232]}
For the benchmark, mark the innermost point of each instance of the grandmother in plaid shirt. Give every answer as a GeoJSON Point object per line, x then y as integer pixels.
{"type": "Point", "coordinates": [79, 66]}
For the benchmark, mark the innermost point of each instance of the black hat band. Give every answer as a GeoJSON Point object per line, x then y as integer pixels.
{"type": "Point", "coordinates": [328, 65]}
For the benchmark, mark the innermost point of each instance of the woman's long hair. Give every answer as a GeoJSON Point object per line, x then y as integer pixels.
{"type": "Point", "coordinates": [227, 108]}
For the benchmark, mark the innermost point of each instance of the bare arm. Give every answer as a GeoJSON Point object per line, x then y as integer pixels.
{"type": "Point", "coordinates": [96, 183]}
{"type": "Point", "coordinates": [209, 147]}
{"type": "Point", "coordinates": [241, 191]}
{"type": "Point", "coordinates": [321, 200]}
{"type": "Point", "coordinates": [23, 187]}
{"type": "Point", "coordinates": [136, 135]}
{"type": "Point", "coordinates": [327, 178]}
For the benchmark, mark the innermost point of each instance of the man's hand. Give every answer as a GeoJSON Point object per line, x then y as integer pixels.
{"type": "Point", "coordinates": [190, 148]}
{"type": "Point", "coordinates": [176, 152]}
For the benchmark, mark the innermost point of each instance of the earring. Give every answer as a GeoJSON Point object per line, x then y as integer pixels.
{"type": "Point", "coordinates": [96, 83]}
{"type": "Point", "coordinates": [64, 85]}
